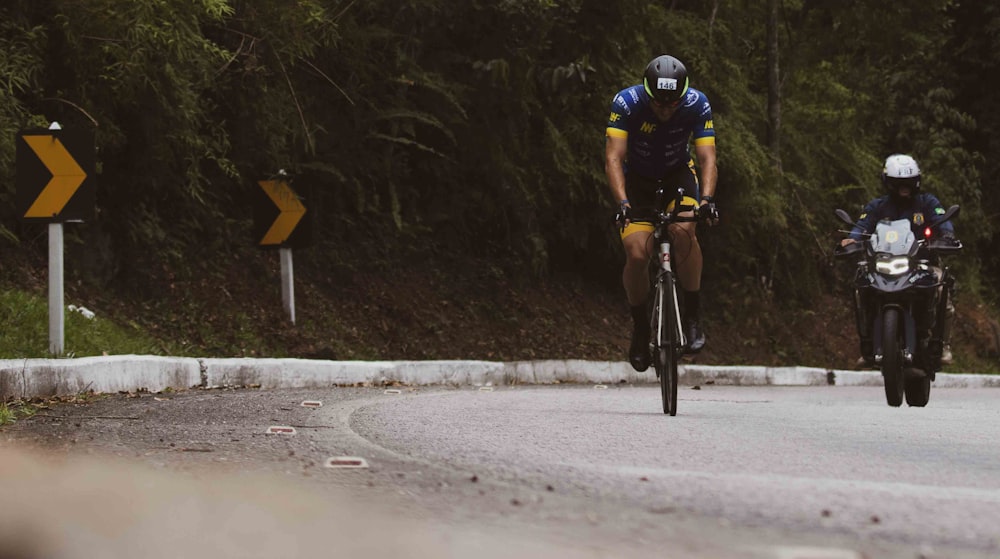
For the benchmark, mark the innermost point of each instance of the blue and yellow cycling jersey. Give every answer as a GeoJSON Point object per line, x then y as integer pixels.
{"type": "Point", "coordinates": [656, 147]}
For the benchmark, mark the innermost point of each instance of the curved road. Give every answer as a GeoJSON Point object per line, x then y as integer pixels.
{"type": "Point", "coordinates": [834, 460]}
{"type": "Point", "coordinates": [769, 472]}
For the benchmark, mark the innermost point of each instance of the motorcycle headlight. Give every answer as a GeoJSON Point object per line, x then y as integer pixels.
{"type": "Point", "coordinates": [893, 266]}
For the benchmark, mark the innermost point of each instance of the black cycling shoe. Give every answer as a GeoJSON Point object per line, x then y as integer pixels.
{"type": "Point", "coordinates": [695, 337]}
{"type": "Point", "coordinates": [638, 353]}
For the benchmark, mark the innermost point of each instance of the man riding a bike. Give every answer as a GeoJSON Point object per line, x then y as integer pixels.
{"type": "Point", "coordinates": [647, 148]}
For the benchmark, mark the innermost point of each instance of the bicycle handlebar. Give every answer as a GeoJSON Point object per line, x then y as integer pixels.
{"type": "Point", "coordinates": [660, 217]}
{"type": "Point", "coordinates": [673, 216]}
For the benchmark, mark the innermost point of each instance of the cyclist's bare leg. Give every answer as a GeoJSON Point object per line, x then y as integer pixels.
{"type": "Point", "coordinates": [635, 276]}
{"type": "Point", "coordinates": [688, 259]}
{"type": "Point", "coordinates": [687, 255]}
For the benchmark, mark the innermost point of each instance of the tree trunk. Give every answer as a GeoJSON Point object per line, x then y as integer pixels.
{"type": "Point", "coordinates": [773, 119]}
{"type": "Point", "coordinates": [711, 19]}
{"type": "Point", "coordinates": [773, 86]}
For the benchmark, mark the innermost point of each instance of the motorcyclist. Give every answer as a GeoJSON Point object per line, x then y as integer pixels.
{"type": "Point", "coordinates": [903, 200]}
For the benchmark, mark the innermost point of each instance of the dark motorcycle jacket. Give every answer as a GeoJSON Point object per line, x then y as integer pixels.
{"type": "Point", "coordinates": [921, 210]}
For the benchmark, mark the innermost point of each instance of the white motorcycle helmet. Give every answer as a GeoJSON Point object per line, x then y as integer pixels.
{"type": "Point", "coordinates": [899, 171]}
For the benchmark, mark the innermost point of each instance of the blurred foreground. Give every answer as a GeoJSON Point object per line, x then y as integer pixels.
{"type": "Point", "coordinates": [59, 508]}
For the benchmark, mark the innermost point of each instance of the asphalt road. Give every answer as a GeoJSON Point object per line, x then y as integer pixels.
{"type": "Point", "coordinates": [756, 472]}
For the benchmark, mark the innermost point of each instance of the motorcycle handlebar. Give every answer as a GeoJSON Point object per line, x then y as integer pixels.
{"type": "Point", "coordinates": [941, 246]}
{"type": "Point", "coordinates": [842, 251]}
{"type": "Point", "coordinates": [945, 246]}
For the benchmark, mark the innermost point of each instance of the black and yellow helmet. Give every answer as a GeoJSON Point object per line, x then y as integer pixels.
{"type": "Point", "coordinates": [665, 80]}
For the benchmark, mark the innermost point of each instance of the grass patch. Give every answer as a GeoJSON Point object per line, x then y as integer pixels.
{"type": "Point", "coordinates": [24, 331]}
{"type": "Point", "coordinates": [7, 415]}
{"type": "Point", "coordinates": [19, 409]}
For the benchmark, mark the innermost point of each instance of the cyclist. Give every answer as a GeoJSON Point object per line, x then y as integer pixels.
{"type": "Point", "coordinates": [648, 142]}
{"type": "Point", "coordinates": [903, 200]}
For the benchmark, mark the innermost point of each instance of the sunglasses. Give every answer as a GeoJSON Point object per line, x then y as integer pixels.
{"type": "Point", "coordinates": [666, 104]}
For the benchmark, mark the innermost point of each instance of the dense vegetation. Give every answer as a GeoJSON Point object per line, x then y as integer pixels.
{"type": "Point", "coordinates": [476, 127]}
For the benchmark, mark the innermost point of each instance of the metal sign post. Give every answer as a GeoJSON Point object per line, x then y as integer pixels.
{"type": "Point", "coordinates": [57, 316]}
{"type": "Point", "coordinates": [55, 184]}
{"type": "Point", "coordinates": [287, 283]}
{"type": "Point", "coordinates": [281, 221]}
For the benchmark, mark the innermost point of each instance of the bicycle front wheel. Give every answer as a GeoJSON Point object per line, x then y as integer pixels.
{"type": "Point", "coordinates": [665, 345]}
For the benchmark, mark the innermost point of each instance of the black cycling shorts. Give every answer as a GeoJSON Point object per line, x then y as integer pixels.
{"type": "Point", "coordinates": [641, 191]}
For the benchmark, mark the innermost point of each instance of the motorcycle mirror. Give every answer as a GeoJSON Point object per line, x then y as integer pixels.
{"type": "Point", "coordinates": [844, 216]}
{"type": "Point", "coordinates": [948, 214]}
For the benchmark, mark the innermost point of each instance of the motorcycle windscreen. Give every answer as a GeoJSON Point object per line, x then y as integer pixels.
{"type": "Point", "coordinates": [893, 237]}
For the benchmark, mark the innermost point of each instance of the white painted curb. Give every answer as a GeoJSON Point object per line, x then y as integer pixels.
{"type": "Point", "coordinates": [28, 378]}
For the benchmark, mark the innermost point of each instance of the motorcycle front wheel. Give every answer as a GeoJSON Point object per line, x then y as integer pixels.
{"type": "Point", "coordinates": [892, 357]}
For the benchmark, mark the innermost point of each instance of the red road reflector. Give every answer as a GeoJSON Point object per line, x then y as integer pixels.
{"type": "Point", "coordinates": [280, 430]}
{"type": "Point", "coordinates": [393, 391]}
{"type": "Point", "coordinates": [346, 462]}
{"type": "Point", "coordinates": [312, 404]}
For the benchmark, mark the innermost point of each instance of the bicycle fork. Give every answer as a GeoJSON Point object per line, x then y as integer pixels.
{"type": "Point", "coordinates": [666, 270]}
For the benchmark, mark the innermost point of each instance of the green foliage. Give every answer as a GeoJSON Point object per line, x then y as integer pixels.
{"type": "Point", "coordinates": [20, 67]}
{"type": "Point", "coordinates": [24, 331]}
{"type": "Point", "coordinates": [482, 122]}
{"type": "Point", "coordinates": [17, 409]}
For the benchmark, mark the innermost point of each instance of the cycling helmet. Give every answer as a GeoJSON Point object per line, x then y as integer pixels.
{"type": "Point", "coordinates": [899, 171]}
{"type": "Point", "coordinates": [665, 80]}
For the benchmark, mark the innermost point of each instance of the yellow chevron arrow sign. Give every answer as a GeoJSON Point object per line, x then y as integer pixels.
{"type": "Point", "coordinates": [291, 208]}
{"type": "Point", "coordinates": [67, 176]}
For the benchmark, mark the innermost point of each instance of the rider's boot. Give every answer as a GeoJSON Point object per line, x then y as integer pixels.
{"type": "Point", "coordinates": [638, 353]}
{"type": "Point", "coordinates": [863, 321]}
{"type": "Point", "coordinates": [692, 322]}
{"type": "Point", "coordinates": [948, 321]}
{"type": "Point", "coordinates": [867, 359]}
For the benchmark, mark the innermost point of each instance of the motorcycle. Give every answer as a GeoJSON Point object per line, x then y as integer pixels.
{"type": "Point", "coordinates": [901, 297]}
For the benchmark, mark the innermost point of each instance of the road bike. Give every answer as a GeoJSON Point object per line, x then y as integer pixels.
{"type": "Point", "coordinates": [667, 340]}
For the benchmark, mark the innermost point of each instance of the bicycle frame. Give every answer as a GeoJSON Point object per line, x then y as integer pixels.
{"type": "Point", "coordinates": [667, 341]}
{"type": "Point", "coordinates": [665, 279]}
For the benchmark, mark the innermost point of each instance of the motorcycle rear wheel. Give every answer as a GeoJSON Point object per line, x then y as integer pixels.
{"type": "Point", "coordinates": [892, 357]}
{"type": "Point", "coordinates": [918, 391]}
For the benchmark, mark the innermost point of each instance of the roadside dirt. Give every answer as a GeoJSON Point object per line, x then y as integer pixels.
{"type": "Point", "coordinates": [433, 306]}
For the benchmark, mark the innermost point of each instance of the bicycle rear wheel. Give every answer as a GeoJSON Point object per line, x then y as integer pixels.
{"type": "Point", "coordinates": [664, 337]}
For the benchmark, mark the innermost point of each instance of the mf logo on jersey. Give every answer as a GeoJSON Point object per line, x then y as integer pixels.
{"type": "Point", "coordinates": [647, 127]}
{"type": "Point", "coordinates": [709, 125]}
{"type": "Point", "coordinates": [614, 117]}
